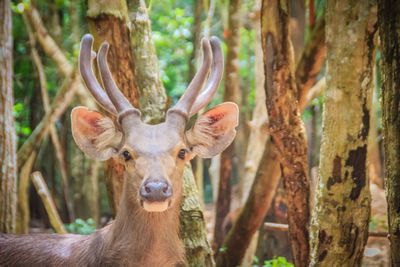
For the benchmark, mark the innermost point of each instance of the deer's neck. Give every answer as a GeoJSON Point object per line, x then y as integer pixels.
{"type": "Point", "coordinates": [150, 238]}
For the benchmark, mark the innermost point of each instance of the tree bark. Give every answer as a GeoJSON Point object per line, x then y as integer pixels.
{"type": "Point", "coordinates": [23, 213]}
{"type": "Point", "coordinates": [8, 161]}
{"type": "Point", "coordinates": [45, 195]}
{"type": "Point", "coordinates": [108, 21]}
{"type": "Point", "coordinates": [389, 31]}
{"type": "Point", "coordinates": [257, 205]}
{"type": "Point", "coordinates": [196, 36]}
{"type": "Point", "coordinates": [231, 93]}
{"type": "Point", "coordinates": [258, 125]}
{"type": "Point", "coordinates": [265, 199]}
{"type": "Point", "coordinates": [340, 217]}
{"type": "Point", "coordinates": [153, 98]}
{"type": "Point", "coordinates": [285, 125]}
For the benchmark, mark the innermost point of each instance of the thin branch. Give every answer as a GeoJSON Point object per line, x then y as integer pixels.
{"type": "Point", "coordinates": [314, 92]}
{"type": "Point", "coordinates": [48, 202]}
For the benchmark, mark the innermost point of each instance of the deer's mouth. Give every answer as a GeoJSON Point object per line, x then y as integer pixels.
{"type": "Point", "coordinates": [155, 206]}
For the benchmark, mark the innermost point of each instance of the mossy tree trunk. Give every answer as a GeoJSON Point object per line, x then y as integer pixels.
{"type": "Point", "coordinates": [153, 98]}
{"type": "Point", "coordinates": [340, 217]}
{"type": "Point", "coordinates": [8, 160]}
{"type": "Point", "coordinates": [389, 31]}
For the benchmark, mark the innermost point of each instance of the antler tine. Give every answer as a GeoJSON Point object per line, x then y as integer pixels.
{"type": "Point", "coordinates": [214, 79]}
{"type": "Point", "coordinates": [186, 101]}
{"type": "Point", "coordinates": [117, 98]}
{"type": "Point", "coordinates": [85, 58]}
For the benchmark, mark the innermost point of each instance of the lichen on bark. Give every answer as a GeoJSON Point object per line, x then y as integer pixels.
{"type": "Point", "coordinates": [8, 161]}
{"type": "Point", "coordinates": [340, 217]}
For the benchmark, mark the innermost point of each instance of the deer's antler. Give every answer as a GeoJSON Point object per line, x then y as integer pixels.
{"type": "Point", "coordinates": [214, 79]}
{"type": "Point", "coordinates": [111, 99]}
{"type": "Point", "coordinates": [191, 102]}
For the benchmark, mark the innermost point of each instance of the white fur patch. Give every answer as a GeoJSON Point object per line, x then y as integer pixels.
{"type": "Point", "coordinates": [203, 133]}
{"type": "Point", "coordinates": [155, 206]}
{"type": "Point", "coordinates": [110, 137]}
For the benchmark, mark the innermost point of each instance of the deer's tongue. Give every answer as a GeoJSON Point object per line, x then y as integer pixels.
{"type": "Point", "coordinates": [155, 206]}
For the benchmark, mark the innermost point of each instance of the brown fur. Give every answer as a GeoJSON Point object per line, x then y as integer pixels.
{"type": "Point", "coordinates": [136, 237]}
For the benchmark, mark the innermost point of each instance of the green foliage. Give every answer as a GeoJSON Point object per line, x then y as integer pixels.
{"type": "Point", "coordinates": [275, 262]}
{"type": "Point", "coordinates": [247, 66]}
{"type": "Point", "coordinates": [376, 222]}
{"type": "Point", "coordinates": [171, 26]}
{"type": "Point", "coordinates": [81, 227]}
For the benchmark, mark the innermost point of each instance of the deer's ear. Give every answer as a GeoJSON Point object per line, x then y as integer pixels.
{"type": "Point", "coordinates": [214, 130]}
{"type": "Point", "coordinates": [95, 134]}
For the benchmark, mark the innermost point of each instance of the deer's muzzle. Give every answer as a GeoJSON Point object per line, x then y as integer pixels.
{"type": "Point", "coordinates": [155, 195]}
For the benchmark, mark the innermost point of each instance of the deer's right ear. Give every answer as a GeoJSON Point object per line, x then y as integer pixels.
{"type": "Point", "coordinates": [95, 134]}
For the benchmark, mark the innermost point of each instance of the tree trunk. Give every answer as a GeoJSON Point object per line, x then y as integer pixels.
{"type": "Point", "coordinates": [257, 204]}
{"type": "Point", "coordinates": [108, 21]}
{"type": "Point", "coordinates": [389, 31]}
{"type": "Point", "coordinates": [258, 125]}
{"type": "Point", "coordinates": [286, 127]}
{"type": "Point", "coordinates": [258, 131]}
{"type": "Point", "coordinates": [196, 35]}
{"type": "Point", "coordinates": [153, 98]}
{"type": "Point", "coordinates": [8, 161]}
{"type": "Point", "coordinates": [23, 214]}
{"type": "Point", "coordinates": [264, 200]}
{"type": "Point", "coordinates": [231, 93]}
{"type": "Point", "coordinates": [340, 217]}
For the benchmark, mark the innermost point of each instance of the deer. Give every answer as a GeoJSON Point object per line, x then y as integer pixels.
{"type": "Point", "coordinates": [145, 231]}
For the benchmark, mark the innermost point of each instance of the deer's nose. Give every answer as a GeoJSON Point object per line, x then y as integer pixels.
{"type": "Point", "coordinates": [155, 191]}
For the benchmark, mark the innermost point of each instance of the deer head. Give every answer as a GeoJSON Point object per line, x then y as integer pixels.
{"type": "Point", "coordinates": [153, 155]}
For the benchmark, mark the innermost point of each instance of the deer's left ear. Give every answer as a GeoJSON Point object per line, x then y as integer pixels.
{"type": "Point", "coordinates": [214, 130]}
{"type": "Point", "coordinates": [95, 134]}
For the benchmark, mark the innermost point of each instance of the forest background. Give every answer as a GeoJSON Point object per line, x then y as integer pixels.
{"type": "Point", "coordinates": [46, 36]}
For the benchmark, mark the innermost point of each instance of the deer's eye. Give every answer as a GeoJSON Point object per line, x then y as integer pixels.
{"type": "Point", "coordinates": [182, 154]}
{"type": "Point", "coordinates": [127, 155]}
